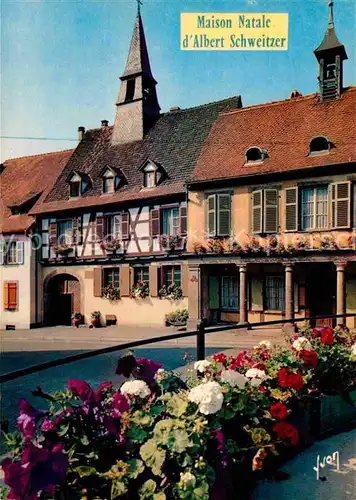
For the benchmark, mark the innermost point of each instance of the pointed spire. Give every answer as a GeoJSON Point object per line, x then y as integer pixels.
{"type": "Point", "coordinates": [138, 62]}
{"type": "Point", "coordinates": [330, 40]}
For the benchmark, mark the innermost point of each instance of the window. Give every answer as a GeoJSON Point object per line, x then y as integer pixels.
{"type": "Point", "coordinates": [229, 293]}
{"type": "Point", "coordinates": [171, 275]}
{"type": "Point", "coordinates": [274, 293]}
{"type": "Point", "coordinates": [109, 184]}
{"type": "Point", "coordinates": [141, 274]}
{"type": "Point", "coordinates": [255, 154]}
{"type": "Point", "coordinates": [111, 278]}
{"type": "Point", "coordinates": [130, 89]}
{"type": "Point", "coordinates": [74, 189]}
{"type": "Point", "coordinates": [10, 295]}
{"type": "Point", "coordinates": [319, 145]}
{"type": "Point", "coordinates": [64, 232]}
{"type": "Point", "coordinates": [11, 252]}
{"type": "Point", "coordinates": [170, 221]}
{"type": "Point", "coordinates": [114, 226]}
{"type": "Point", "coordinates": [265, 211]}
{"type": "Point", "coordinates": [149, 176]}
{"type": "Point", "coordinates": [219, 214]}
{"type": "Point", "coordinates": [314, 208]}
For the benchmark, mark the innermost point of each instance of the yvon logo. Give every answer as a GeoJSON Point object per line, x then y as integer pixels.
{"type": "Point", "coordinates": [331, 460]}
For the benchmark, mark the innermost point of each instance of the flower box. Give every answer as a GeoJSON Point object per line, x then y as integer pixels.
{"type": "Point", "coordinates": [330, 414]}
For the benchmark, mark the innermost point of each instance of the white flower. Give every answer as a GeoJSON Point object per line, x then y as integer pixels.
{"type": "Point", "coordinates": [256, 376]}
{"type": "Point", "coordinates": [187, 479]}
{"type": "Point", "coordinates": [135, 388]}
{"type": "Point", "coordinates": [265, 344]}
{"type": "Point", "coordinates": [353, 350]}
{"type": "Point", "coordinates": [201, 366]}
{"type": "Point", "coordinates": [302, 344]}
{"type": "Point", "coordinates": [235, 379]}
{"type": "Point", "coordinates": [208, 396]}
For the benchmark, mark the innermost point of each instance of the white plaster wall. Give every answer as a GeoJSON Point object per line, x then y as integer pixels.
{"type": "Point", "coordinates": [21, 318]}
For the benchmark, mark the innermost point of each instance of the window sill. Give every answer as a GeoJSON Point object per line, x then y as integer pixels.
{"type": "Point", "coordinates": [272, 311]}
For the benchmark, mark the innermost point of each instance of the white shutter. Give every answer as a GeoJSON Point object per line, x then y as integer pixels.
{"type": "Point", "coordinates": [224, 214]}
{"type": "Point", "coordinates": [340, 197]}
{"type": "Point", "coordinates": [270, 220]}
{"type": "Point", "coordinates": [20, 252]}
{"type": "Point", "coordinates": [2, 251]}
{"type": "Point", "coordinates": [211, 215]}
{"type": "Point", "coordinates": [291, 204]}
{"type": "Point", "coordinates": [257, 199]}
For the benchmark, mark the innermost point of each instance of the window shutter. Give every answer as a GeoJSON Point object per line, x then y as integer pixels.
{"type": "Point", "coordinates": [2, 252]}
{"type": "Point", "coordinates": [183, 221]}
{"type": "Point", "coordinates": [99, 228]}
{"type": "Point", "coordinates": [97, 282]}
{"type": "Point", "coordinates": [10, 290]}
{"type": "Point", "coordinates": [291, 199]}
{"type": "Point", "coordinates": [271, 211]}
{"type": "Point", "coordinates": [341, 205]}
{"type": "Point", "coordinates": [125, 280]}
{"type": "Point", "coordinates": [212, 215]}
{"type": "Point", "coordinates": [74, 231]}
{"type": "Point", "coordinates": [257, 211]}
{"type": "Point", "coordinates": [125, 225]}
{"type": "Point", "coordinates": [185, 279]}
{"type": "Point", "coordinates": [20, 252]}
{"type": "Point", "coordinates": [256, 295]}
{"type": "Point", "coordinates": [224, 211]}
{"type": "Point", "coordinates": [52, 233]}
{"type": "Point", "coordinates": [155, 222]}
{"type": "Point", "coordinates": [153, 280]}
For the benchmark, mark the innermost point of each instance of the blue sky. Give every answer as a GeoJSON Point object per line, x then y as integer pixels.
{"type": "Point", "coordinates": [61, 61]}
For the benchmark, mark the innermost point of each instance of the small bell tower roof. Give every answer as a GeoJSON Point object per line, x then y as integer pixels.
{"type": "Point", "coordinates": [330, 41]}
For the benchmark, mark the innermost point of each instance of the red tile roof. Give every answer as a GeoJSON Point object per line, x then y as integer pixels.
{"type": "Point", "coordinates": [24, 179]}
{"type": "Point", "coordinates": [284, 129]}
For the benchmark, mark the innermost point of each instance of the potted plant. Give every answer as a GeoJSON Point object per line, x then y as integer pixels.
{"type": "Point", "coordinates": [177, 318]}
{"type": "Point", "coordinates": [171, 243]}
{"type": "Point", "coordinates": [111, 293]}
{"type": "Point", "coordinates": [140, 290]}
{"type": "Point", "coordinates": [111, 246]}
{"type": "Point", "coordinates": [199, 248]}
{"type": "Point", "coordinates": [236, 248]}
{"type": "Point", "coordinates": [216, 246]}
{"type": "Point", "coordinates": [95, 319]}
{"type": "Point", "coordinates": [77, 319]}
{"type": "Point", "coordinates": [173, 292]}
{"type": "Point", "coordinates": [254, 246]}
{"type": "Point", "coordinates": [62, 249]}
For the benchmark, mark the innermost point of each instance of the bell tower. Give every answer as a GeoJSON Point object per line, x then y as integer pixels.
{"type": "Point", "coordinates": [330, 55]}
{"type": "Point", "coordinates": [137, 104]}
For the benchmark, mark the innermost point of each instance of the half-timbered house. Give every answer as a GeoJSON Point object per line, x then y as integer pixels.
{"type": "Point", "coordinates": [114, 226]}
{"type": "Point", "coordinates": [272, 205]}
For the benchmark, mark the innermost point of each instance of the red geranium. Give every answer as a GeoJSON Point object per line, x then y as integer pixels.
{"type": "Point", "coordinates": [317, 332]}
{"type": "Point", "coordinates": [286, 378]}
{"type": "Point", "coordinates": [286, 431]}
{"type": "Point", "coordinates": [220, 357]}
{"type": "Point", "coordinates": [327, 336]}
{"type": "Point", "coordinates": [279, 411]}
{"type": "Point", "coordinates": [260, 366]}
{"type": "Point", "coordinates": [310, 358]}
{"type": "Point", "coordinates": [242, 359]}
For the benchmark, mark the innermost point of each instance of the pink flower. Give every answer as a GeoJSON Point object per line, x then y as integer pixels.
{"type": "Point", "coordinates": [147, 369]}
{"type": "Point", "coordinates": [99, 393]}
{"type": "Point", "coordinates": [121, 403]}
{"type": "Point", "coordinates": [27, 419]}
{"type": "Point", "coordinates": [82, 390]}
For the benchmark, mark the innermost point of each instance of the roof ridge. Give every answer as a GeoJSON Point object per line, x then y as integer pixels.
{"type": "Point", "coordinates": [193, 108]}
{"type": "Point", "coordinates": [38, 154]}
{"type": "Point", "coordinates": [281, 101]}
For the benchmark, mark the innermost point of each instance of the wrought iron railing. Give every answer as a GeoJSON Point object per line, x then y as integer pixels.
{"type": "Point", "coordinates": [199, 333]}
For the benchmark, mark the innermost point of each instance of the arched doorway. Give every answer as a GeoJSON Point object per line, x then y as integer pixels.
{"type": "Point", "coordinates": [62, 299]}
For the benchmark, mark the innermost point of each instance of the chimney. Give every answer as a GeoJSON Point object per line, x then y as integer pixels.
{"type": "Point", "coordinates": [104, 123]}
{"type": "Point", "coordinates": [174, 109]}
{"type": "Point", "coordinates": [295, 93]}
{"type": "Point", "coordinates": [81, 132]}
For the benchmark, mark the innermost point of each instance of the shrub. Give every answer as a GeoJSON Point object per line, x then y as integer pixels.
{"type": "Point", "coordinates": [180, 316]}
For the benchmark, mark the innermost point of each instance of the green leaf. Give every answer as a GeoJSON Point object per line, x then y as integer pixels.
{"type": "Point", "coordinates": [137, 435]}
{"type": "Point", "coordinates": [147, 489]}
{"type": "Point", "coordinates": [84, 440]}
{"type": "Point", "coordinates": [159, 496]}
{"type": "Point", "coordinates": [177, 406]}
{"type": "Point", "coordinates": [118, 489]}
{"type": "Point", "coordinates": [136, 468]}
{"type": "Point", "coordinates": [179, 441]}
{"type": "Point", "coordinates": [162, 431]}
{"type": "Point", "coordinates": [201, 493]}
{"type": "Point", "coordinates": [63, 430]}
{"type": "Point", "coordinates": [153, 456]}
{"type": "Point", "coordinates": [85, 471]}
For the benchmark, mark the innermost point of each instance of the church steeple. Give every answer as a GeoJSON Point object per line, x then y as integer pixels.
{"type": "Point", "coordinates": [137, 104]}
{"type": "Point", "coordinates": [330, 55]}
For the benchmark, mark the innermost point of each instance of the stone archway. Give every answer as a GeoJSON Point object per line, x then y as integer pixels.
{"type": "Point", "coordinates": [62, 294]}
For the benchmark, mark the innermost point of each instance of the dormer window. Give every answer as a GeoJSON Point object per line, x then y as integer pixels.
{"type": "Point", "coordinates": [255, 154]}
{"type": "Point", "coordinates": [78, 184]}
{"type": "Point", "coordinates": [112, 178]}
{"type": "Point", "coordinates": [319, 145]}
{"type": "Point", "coordinates": [149, 176]}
